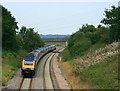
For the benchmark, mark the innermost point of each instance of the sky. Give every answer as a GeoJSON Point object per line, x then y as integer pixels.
{"type": "Point", "coordinates": [57, 17]}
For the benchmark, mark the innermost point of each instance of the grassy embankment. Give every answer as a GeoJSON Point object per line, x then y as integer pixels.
{"type": "Point", "coordinates": [103, 75]}
{"type": "Point", "coordinates": [96, 69]}
{"type": "Point", "coordinates": [11, 62]}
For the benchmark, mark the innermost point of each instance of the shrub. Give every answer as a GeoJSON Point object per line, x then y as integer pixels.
{"type": "Point", "coordinates": [80, 47]}
{"type": "Point", "coordinates": [66, 55]}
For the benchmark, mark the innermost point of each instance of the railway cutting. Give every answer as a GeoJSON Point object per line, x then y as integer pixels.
{"type": "Point", "coordinates": [43, 78]}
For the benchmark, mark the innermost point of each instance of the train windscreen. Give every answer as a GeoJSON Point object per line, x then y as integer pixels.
{"type": "Point", "coordinates": [28, 63]}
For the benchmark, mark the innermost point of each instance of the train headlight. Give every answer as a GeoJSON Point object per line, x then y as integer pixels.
{"type": "Point", "coordinates": [31, 68]}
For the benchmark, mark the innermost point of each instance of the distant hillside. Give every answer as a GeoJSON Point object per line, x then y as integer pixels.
{"type": "Point", "coordinates": [53, 36]}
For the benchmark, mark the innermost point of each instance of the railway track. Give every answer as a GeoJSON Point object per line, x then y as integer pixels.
{"type": "Point", "coordinates": [48, 84]}
{"type": "Point", "coordinates": [26, 84]}
{"type": "Point", "coordinates": [47, 77]}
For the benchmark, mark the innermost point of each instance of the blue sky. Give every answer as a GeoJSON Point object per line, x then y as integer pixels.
{"type": "Point", "coordinates": [57, 17]}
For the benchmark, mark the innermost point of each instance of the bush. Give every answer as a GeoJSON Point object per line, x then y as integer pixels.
{"type": "Point", "coordinates": [66, 55]}
{"type": "Point", "coordinates": [88, 35]}
{"type": "Point", "coordinates": [80, 47]}
{"type": "Point", "coordinates": [75, 38]}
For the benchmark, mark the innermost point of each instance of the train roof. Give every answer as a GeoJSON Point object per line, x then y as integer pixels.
{"type": "Point", "coordinates": [33, 54]}
{"type": "Point", "coordinates": [29, 58]}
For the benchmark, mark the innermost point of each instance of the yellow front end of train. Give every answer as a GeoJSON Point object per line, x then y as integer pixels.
{"type": "Point", "coordinates": [28, 67]}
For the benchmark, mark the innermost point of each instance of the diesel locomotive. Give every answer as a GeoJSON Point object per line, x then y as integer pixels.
{"type": "Point", "coordinates": [29, 63]}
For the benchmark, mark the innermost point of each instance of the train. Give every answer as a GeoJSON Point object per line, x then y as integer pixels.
{"type": "Point", "coordinates": [30, 62]}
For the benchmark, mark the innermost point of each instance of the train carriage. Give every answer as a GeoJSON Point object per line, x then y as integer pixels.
{"type": "Point", "coordinates": [29, 63]}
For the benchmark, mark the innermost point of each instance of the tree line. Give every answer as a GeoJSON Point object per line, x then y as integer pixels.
{"type": "Point", "coordinates": [89, 35]}
{"type": "Point", "coordinates": [13, 38]}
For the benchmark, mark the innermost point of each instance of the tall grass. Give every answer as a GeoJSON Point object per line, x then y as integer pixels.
{"type": "Point", "coordinates": [103, 75]}
{"type": "Point", "coordinates": [66, 55]}
{"type": "Point", "coordinates": [11, 62]}
{"type": "Point", "coordinates": [96, 46]}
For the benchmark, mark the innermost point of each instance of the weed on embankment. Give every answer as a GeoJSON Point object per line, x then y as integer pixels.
{"type": "Point", "coordinates": [11, 62]}
{"type": "Point", "coordinates": [103, 75]}
{"type": "Point", "coordinates": [97, 69]}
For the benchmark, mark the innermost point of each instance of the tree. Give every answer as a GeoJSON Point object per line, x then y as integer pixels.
{"type": "Point", "coordinates": [31, 39]}
{"type": "Point", "coordinates": [104, 34]}
{"type": "Point", "coordinates": [20, 41]}
{"type": "Point", "coordinates": [87, 28]}
{"type": "Point", "coordinates": [9, 26]}
{"type": "Point", "coordinates": [80, 47]}
{"type": "Point", "coordinates": [112, 19]}
{"type": "Point", "coordinates": [23, 31]}
{"type": "Point", "coordinates": [89, 32]}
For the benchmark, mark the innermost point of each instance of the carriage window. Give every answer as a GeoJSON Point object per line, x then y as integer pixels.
{"type": "Point", "coordinates": [28, 63]}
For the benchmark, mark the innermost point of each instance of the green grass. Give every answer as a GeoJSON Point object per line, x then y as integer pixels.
{"type": "Point", "coordinates": [7, 73]}
{"type": "Point", "coordinates": [11, 62]}
{"type": "Point", "coordinates": [67, 56]}
{"type": "Point", "coordinates": [96, 46]}
{"type": "Point", "coordinates": [103, 75]}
